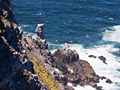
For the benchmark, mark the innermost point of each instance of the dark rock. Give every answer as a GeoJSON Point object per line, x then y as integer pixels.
{"type": "Point", "coordinates": [82, 83]}
{"type": "Point", "coordinates": [29, 36]}
{"type": "Point", "coordinates": [75, 80]}
{"type": "Point", "coordinates": [0, 77]}
{"type": "Point", "coordinates": [92, 56]}
{"type": "Point", "coordinates": [102, 58]}
{"type": "Point", "coordinates": [98, 87]}
{"type": "Point", "coordinates": [87, 70]}
{"type": "Point", "coordinates": [83, 78]}
{"type": "Point", "coordinates": [66, 54]}
{"type": "Point", "coordinates": [74, 84]}
{"type": "Point", "coordinates": [109, 81]}
{"type": "Point", "coordinates": [69, 88]}
{"type": "Point", "coordinates": [58, 64]}
{"type": "Point", "coordinates": [103, 77]}
{"type": "Point", "coordinates": [63, 79]}
{"type": "Point", "coordinates": [96, 79]}
{"type": "Point", "coordinates": [92, 84]}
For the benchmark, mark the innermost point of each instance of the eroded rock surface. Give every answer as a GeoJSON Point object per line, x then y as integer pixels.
{"type": "Point", "coordinates": [83, 74]}
{"type": "Point", "coordinates": [27, 64]}
{"type": "Point", "coordinates": [16, 71]}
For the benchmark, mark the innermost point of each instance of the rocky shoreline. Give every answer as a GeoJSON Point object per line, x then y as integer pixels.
{"type": "Point", "coordinates": [26, 63]}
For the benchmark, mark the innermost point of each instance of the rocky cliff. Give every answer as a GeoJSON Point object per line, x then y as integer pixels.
{"type": "Point", "coordinates": [26, 63]}
{"type": "Point", "coordinates": [16, 71]}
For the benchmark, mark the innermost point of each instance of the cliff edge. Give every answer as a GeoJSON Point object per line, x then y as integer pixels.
{"type": "Point", "coordinates": [26, 63]}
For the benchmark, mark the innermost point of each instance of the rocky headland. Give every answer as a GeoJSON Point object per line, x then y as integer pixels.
{"type": "Point", "coordinates": [27, 63]}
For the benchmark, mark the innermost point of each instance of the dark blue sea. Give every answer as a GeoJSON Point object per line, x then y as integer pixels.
{"type": "Point", "coordinates": [91, 27]}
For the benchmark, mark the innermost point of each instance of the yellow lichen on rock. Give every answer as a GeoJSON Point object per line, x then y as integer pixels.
{"type": "Point", "coordinates": [5, 22]}
{"type": "Point", "coordinates": [42, 73]}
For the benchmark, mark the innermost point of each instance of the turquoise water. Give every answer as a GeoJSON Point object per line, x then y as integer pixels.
{"type": "Point", "coordinates": [89, 26]}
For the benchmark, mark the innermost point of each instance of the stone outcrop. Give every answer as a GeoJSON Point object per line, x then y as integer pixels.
{"type": "Point", "coordinates": [66, 54]}
{"type": "Point", "coordinates": [39, 30]}
{"type": "Point", "coordinates": [16, 71]}
{"type": "Point", "coordinates": [102, 58]}
{"type": "Point", "coordinates": [83, 74]}
{"type": "Point", "coordinates": [49, 69]}
{"type": "Point", "coordinates": [27, 64]}
{"type": "Point", "coordinates": [109, 81]}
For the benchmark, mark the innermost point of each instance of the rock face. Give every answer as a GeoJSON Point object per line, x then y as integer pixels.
{"type": "Point", "coordinates": [39, 31]}
{"type": "Point", "coordinates": [66, 54]}
{"type": "Point", "coordinates": [83, 74]}
{"type": "Point", "coordinates": [16, 72]}
{"type": "Point", "coordinates": [27, 64]}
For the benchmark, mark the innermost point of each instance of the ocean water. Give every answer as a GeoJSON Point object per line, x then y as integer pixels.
{"type": "Point", "coordinates": [91, 27]}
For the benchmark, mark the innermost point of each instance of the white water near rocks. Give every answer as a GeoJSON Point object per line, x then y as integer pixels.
{"type": "Point", "coordinates": [113, 35]}
{"type": "Point", "coordinates": [108, 70]}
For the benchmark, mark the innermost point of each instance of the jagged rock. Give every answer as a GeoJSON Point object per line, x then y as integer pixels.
{"type": "Point", "coordinates": [67, 54]}
{"type": "Point", "coordinates": [14, 26]}
{"type": "Point", "coordinates": [98, 87]}
{"type": "Point", "coordinates": [18, 82]}
{"type": "Point", "coordinates": [83, 73]}
{"type": "Point", "coordinates": [92, 84]}
{"type": "Point", "coordinates": [103, 59]}
{"type": "Point", "coordinates": [39, 31]}
{"type": "Point", "coordinates": [69, 88]}
{"type": "Point", "coordinates": [109, 81]}
{"type": "Point", "coordinates": [58, 64]}
{"type": "Point", "coordinates": [63, 79]}
{"type": "Point", "coordinates": [13, 57]}
{"type": "Point", "coordinates": [92, 56]}
{"type": "Point", "coordinates": [19, 73]}
{"type": "Point", "coordinates": [83, 78]}
{"type": "Point", "coordinates": [29, 36]}
{"type": "Point", "coordinates": [103, 77]}
{"type": "Point", "coordinates": [75, 80]}
{"type": "Point", "coordinates": [96, 79]}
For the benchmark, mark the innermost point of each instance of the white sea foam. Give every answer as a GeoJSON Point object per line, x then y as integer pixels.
{"type": "Point", "coordinates": [113, 35]}
{"type": "Point", "coordinates": [39, 14]}
{"type": "Point", "coordinates": [108, 70]}
{"type": "Point", "coordinates": [20, 27]}
{"type": "Point", "coordinates": [78, 87]}
{"type": "Point", "coordinates": [110, 18]}
{"type": "Point", "coordinates": [34, 35]}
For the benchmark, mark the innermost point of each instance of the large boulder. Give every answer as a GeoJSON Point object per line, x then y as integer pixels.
{"type": "Point", "coordinates": [67, 54]}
